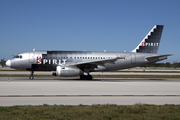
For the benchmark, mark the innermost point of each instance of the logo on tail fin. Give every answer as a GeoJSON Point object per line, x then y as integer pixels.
{"type": "Point", "coordinates": [143, 43]}
{"type": "Point", "coordinates": [150, 43]}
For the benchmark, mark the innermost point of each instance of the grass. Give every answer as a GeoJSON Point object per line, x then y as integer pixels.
{"type": "Point", "coordinates": [93, 112]}
{"type": "Point", "coordinates": [103, 76]}
{"type": "Point", "coordinates": [137, 76]}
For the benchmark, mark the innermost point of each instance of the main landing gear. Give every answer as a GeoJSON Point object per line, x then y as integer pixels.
{"type": "Point", "coordinates": [85, 77]}
{"type": "Point", "coordinates": [31, 76]}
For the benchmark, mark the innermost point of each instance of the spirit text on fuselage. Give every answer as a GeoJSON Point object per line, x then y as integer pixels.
{"type": "Point", "coordinates": [51, 61]}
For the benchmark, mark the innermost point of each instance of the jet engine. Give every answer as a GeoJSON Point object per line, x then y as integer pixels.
{"type": "Point", "coordinates": [67, 71]}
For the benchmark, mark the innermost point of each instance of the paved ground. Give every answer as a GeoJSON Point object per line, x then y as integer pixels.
{"type": "Point", "coordinates": [92, 73]}
{"type": "Point", "coordinates": [72, 91]}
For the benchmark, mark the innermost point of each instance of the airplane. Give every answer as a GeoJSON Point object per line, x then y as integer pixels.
{"type": "Point", "coordinates": [77, 63]}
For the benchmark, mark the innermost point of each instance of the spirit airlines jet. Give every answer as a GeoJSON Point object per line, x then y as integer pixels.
{"type": "Point", "coordinates": [76, 63]}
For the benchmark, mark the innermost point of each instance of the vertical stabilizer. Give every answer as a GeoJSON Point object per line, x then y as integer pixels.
{"type": "Point", "coordinates": [150, 43]}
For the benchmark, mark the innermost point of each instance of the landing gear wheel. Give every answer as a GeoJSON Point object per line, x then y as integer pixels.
{"type": "Point", "coordinates": [88, 77]}
{"type": "Point", "coordinates": [31, 77]}
{"type": "Point", "coordinates": [82, 77]}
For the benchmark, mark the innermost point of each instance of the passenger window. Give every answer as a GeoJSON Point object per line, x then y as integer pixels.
{"type": "Point", "coordinates": [21, 56]}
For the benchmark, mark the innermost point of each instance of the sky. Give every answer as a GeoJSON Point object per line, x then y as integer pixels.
{"type": "Point", "coordinates": [87, 25]}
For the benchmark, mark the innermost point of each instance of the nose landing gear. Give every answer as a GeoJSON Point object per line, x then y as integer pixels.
{"type": "Point", "coordinates": [31, 76]}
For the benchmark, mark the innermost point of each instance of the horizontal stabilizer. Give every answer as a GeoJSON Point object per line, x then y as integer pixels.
{"type": "Point", "coordinates": [160, 57]}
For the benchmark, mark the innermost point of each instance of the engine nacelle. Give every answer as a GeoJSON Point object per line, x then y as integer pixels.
{"type": "Point", "coordinates": [67, 71]}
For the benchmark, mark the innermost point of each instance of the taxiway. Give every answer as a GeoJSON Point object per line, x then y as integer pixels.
{"type": "Point", "coordinates": [72, 91]}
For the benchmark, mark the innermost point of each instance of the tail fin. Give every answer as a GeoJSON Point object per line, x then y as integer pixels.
{"type": "Point", "coordinates": [150, 43]}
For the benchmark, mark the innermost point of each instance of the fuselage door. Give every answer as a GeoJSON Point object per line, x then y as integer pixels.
{"type": "Point", "coordinates": [31, 57]}
{"type": "Point", "coordinates": [133, 58]}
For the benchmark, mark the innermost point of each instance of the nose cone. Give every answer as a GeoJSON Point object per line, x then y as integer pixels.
{"type": "Point", "coordinates": [8, 63]}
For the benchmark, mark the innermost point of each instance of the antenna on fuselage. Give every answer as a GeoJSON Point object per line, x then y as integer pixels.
{"type": "Point", "coordinates": [34, 49]}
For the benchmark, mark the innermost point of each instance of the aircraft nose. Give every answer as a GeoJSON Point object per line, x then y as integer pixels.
{"type": "Point", "coordinates": [8, 63]}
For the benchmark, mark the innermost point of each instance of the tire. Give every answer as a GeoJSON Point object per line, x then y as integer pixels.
{"type": "Point", "coordinates": [82, 77]}
{"type": "Point", "coordinates": [31, 77]}
{"type": "Point", "coordinates": [89, 77]}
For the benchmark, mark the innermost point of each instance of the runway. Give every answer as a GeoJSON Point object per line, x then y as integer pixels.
{"type": "Point", "coordinates": [72, 91]}
{"type": "Point", "coordinates": [92, 73]}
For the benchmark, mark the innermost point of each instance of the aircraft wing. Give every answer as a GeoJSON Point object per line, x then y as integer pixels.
{"type": "Point", "coordinates": [94, 63]}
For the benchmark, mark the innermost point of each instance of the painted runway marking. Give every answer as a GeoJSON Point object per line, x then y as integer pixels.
{"type": "Point", "coordinates": [89, 95]}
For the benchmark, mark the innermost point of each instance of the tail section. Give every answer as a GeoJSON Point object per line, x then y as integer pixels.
{"type": "Point", "coordinates": [150, 43]}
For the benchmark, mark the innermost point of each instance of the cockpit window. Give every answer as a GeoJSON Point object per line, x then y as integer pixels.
{"type": "Point", "coordinates": [18, 56]}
